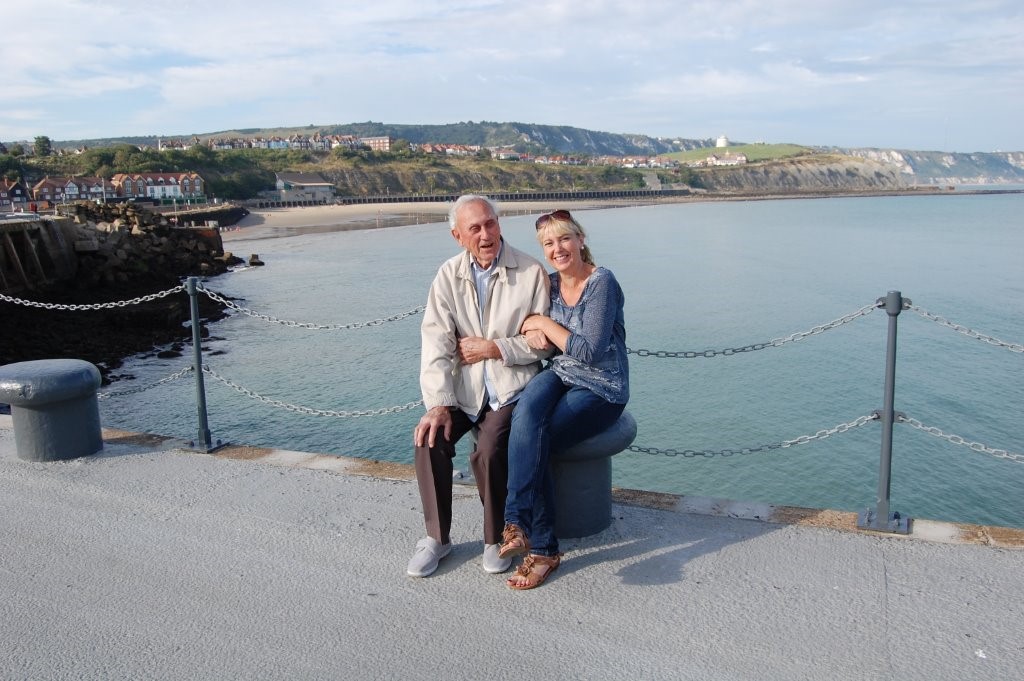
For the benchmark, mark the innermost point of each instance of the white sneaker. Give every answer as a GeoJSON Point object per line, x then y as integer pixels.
{"type": "Point", "coordinates": [492, 563]}
{"type": "Point", "coordinates": [429, 552]}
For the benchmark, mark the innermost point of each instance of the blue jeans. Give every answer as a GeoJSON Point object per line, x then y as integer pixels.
{"type": "Point", "coordinates": [550, 416]}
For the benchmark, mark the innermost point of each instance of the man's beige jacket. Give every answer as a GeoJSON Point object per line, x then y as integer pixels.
{"type": "Point", "coordinates": [518, 289]}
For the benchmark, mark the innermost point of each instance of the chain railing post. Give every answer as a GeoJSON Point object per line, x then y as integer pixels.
{"type": "Point", "coordinates": [880, 519]}
{"type": "Point", "coordinates": [203, 438]}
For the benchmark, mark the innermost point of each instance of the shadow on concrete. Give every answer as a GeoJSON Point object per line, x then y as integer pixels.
{"type": "Point", "coordinates": [661, 554]}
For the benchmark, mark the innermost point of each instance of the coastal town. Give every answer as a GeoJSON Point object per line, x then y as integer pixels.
{"type": "Point", "coordinates": [325, 143]}
{"type": "Point", "coordinates": [189, 188]}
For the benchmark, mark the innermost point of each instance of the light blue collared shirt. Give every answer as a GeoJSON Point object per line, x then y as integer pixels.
{"type": "Point", "coordinates": [482, 278]}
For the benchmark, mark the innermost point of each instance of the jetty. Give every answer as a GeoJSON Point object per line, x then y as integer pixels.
{"type": "Point", "coordinates": [153, 560]}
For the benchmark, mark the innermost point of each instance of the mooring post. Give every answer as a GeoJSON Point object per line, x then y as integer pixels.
{"type": "Point", "coordinates": [203, 436]}
{"type": "Point", "coordinates": [881, 519]}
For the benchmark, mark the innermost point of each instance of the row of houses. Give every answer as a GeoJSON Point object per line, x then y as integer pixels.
{"type": "Point", "coordinates": [324, 143]}
{"type": "Point", "coordinates": [502, 154]}
{"type": "Point", "coordinates": [316, 142]}
{"type": "Point", "coordinates": [725, 159]}
{"type": "Point", "coordinates": [161, 187]}
{"type": "Point", "coordinates": [52, 190]}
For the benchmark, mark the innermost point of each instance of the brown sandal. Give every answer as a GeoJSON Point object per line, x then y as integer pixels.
{"type": "Point", "coordinates": [513, 542]}
{"type": "Point", "coordinates": [535, 569]}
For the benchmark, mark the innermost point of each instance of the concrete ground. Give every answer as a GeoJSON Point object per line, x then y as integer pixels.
{"type": "Point", "coordinates": [153, 561]}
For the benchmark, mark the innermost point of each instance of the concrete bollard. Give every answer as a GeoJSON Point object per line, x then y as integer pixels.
{"type": "Point", "coordinates": [53, 407]}
{"type": "Point", "coordinates": [583, 480]}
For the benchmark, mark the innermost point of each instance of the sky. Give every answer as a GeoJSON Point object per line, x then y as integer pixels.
{"type": "Point", "coordinates": [929, 75]}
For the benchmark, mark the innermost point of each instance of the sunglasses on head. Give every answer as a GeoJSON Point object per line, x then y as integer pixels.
{"type": "Point", "coordinates": [560, 214]}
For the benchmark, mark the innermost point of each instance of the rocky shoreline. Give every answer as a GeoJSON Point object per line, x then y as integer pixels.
{"type": "Point", "coordinates": [121, 254]}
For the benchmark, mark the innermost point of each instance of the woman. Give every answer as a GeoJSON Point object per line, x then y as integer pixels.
{"type": "Point", "coordinates": [582, 391]}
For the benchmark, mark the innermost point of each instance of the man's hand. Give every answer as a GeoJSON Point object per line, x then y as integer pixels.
{"type": "Point", "coordinates": [436, 419]}
{"type": "Point", "coordinates": [474, 349]}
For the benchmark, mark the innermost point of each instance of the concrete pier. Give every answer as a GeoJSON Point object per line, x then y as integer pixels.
{"type": "Point", "coordinates": [152, 561]}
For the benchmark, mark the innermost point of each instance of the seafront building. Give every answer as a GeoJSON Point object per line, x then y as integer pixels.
{"type": "Point", "coordinates": [13, 195]}
{"type": "Point", "coordinates": [162, 187]}
{"type": "Point", "coordinates": [301, 187]}
{"type": "Point", "coordinates": [64, 189]}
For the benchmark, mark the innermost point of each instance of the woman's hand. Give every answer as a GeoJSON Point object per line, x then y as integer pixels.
{"type": "Point", "coordinates": [537, 340]}
{"type": "Point", "coordinates": [556, 334]}
{"type": "Point", "coordinates": [534, 322]}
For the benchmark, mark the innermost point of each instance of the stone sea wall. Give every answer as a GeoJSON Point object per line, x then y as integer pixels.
{"type": "Point", "coordinates": [97, 255]}
{"type": "Point", "coordinates": [118, 244]}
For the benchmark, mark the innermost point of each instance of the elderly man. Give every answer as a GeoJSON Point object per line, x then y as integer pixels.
{"type": "Point", "coordinates": [473, 365]}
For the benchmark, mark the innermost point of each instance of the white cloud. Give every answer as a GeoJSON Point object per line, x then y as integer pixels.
{"type": "Point", "coordinates": [648, 66]}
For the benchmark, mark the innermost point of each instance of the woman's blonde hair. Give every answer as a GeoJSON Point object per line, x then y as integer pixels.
{"type": "Point", "coordinates": [562, 222]}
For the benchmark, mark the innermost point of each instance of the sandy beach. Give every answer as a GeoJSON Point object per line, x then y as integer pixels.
{"type": "Point", "coordinates": [270, 223]}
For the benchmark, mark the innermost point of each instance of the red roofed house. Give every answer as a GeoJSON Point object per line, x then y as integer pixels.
{"type": "Point", "coordinates": [61, 189]}
{"type": "Point", "coordinates": [161, 186]}
{"type": "Point", "coordinates": [12, 195]}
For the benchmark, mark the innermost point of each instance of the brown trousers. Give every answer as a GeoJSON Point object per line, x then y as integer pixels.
{"type": "Point", "coordinates": [489, 461]}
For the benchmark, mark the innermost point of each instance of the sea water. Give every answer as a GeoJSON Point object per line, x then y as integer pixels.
{"type": "Point", "coordinates": [699, 277]}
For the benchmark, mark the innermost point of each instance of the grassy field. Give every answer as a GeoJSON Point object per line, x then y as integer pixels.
{"type": "Point", "coordinates": [753, 152]}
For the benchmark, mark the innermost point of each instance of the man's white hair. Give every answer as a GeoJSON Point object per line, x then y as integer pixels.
{"type": "Point", "coordinates": [469, 198]}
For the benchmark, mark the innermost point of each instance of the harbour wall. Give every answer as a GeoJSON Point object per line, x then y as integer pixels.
{"type": "Point", "coordinates": [109, 246]}
{"type": "Point", "coordinates": [63, 277]}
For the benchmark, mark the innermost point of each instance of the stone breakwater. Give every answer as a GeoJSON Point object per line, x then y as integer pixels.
{"type": "Point", "coordinates": [105, 254]}
{"type": "Point", "coordinates": [121, 243]}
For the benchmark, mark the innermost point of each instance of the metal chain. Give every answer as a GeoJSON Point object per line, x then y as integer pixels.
{"type": "Point", "coordinates": [803, 439]}
{"type": "Point", "coordinates": [1012, 347]}
{"type": "Point", "coordinates": [309, 325]}
{"type": "Point", "coordinates": [688, 453]}
{"type": "Point", "coordinates": [173, 377]}
{"type": "Point", "coordinates": [691, 354]}
{"type": "Point", "coordinates": [957, 440]}
{"type": "Point", "coordinates": [309, 410]}
{"type": "Point", "coordinates": [867, 309]}
{"type": "Point", "coordinates": [95, 306]}
{"type": "Point", "coordinates": [774, 343]}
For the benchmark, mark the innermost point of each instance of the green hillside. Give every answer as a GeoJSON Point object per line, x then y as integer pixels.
{"type": "Point", "coordinates": [523, 137]}
{"type": "Point", "coordinates": [244, 173]}
{"type": "Point", "coordinates": [753, 152]}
